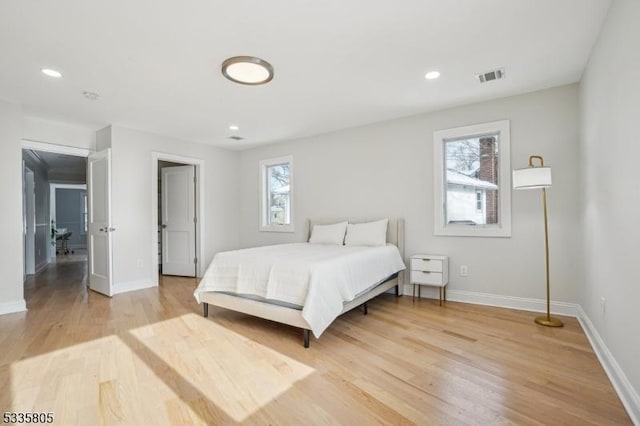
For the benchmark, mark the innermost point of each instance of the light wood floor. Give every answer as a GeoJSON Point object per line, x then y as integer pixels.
{"type": "Point", "coordinates": [149, 357]}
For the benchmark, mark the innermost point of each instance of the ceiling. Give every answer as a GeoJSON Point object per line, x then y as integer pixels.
{"type": "Point", "coordinates": [338, 64]}
{"type": "Point", "coordinates": [62, 163]}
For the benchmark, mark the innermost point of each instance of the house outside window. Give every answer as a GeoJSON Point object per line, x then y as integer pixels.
{"type": "Point", "coordinates": [471, 168]}
{"type": "Point", "coordinates": [276, 207]}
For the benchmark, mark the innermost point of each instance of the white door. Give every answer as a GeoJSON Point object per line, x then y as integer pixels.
{"type": "Point", "coordinates": [178, 221]}
{"type": "Point", "coordinates": [99, 229]}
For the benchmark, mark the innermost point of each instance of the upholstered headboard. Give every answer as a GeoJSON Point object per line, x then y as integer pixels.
{"type": "Point", "coordinates": [395, 228]}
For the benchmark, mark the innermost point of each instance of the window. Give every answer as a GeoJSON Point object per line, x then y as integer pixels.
{"type": "Point", "coordinates": [473, 181]}
{"type": "Point", "coordinates": [276, 186]}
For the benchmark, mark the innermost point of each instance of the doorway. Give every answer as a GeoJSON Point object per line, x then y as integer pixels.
{"type": "Point", "coordinates": [177, 212]}
{"type": "Point", "coordinates": [69, 218]}
{"type": "Point", "coordinates": [53, 221]}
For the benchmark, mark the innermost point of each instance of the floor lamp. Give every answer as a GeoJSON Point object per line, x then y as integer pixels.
{"type": "Point", "coordinates": [539, 177]}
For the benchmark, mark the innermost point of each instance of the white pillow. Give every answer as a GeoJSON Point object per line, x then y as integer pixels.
{"type": "Point", "coordinates": [328, 234]}
{"type": "Point", "coordinates": [367, 234]}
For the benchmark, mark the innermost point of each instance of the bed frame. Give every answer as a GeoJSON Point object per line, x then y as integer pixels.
{"type": "Point", "coordinates": [290, 316]}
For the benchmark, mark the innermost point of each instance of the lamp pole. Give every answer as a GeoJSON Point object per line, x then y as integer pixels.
{"type": "Point", "coordinates": [546, 320]}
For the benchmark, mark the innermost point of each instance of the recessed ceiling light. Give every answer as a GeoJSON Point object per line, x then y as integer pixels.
{"type": "Point", "coordinates": [234, 127]}
{"type": "Point", "coordinates": [432, 75]}
{"type": "Point", "coordinates": [91, 96]}
{"type": "Point", "coordinates": [247, 70]}
{"type": "Point", "coordinates": [51, 73]}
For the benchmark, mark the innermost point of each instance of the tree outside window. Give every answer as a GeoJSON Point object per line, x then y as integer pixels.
{"type": "Point", "coordinates": [472, 180]}
{"type": "Point", "coordinates": [279, 188]}
{"type": "Point", "coordinates": [276, 207]}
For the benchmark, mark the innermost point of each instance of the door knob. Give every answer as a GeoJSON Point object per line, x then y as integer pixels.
{"type": "Point", "coordinates": [164, 226]}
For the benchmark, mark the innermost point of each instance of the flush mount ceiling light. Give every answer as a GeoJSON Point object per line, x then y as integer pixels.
{"type": "Point", "coordinates": [432, 75]}
{"type": "Point", "coordinates": [247, 70]}
{"type": "Point", "coordinates": [51, 72]}
{"type": "Point", "coordinates": [234, 127]}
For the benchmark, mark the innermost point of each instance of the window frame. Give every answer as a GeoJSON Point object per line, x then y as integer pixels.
{"type": "Point", "coordinates": [479, 200]}
{"type": "Point", "coordinates": [265, 226]}
{"type": "Point", "coordinates": [440, 137]}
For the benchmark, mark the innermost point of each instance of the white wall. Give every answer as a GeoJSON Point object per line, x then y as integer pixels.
{"type": "Point", "coordinates": [103, 138]}
{"type": "Point", "coordinates": [40, 130]}
{"type": "Point", "coordinates": [131, 200]}
{"type": "Point", "coordinates": [609, 153]}
{"type": "Point", "coordinates": [11, 290]}
{"type": "Point", "coordinates": [386, 169]}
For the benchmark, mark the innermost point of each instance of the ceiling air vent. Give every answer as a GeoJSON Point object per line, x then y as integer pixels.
{"type": "Point", "coordinates": [491, 75]}
{"type": "Point", "coordinates": [236, 138]}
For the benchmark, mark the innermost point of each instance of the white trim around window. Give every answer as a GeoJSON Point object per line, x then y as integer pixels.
{"type": "Point", "coordinates": [266, 222]}
{"type": "Point", "coordinates": [503, 227]}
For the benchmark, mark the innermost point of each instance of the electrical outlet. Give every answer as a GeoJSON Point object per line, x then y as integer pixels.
{"type": "Point", "coordinates": [464, 270]}
{"type": "Point", "coordinates": [603, 305]}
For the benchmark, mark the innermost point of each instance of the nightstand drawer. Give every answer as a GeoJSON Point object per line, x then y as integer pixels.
{"type": "Point", "coordinates": [426, 277]}
{"type": "Point", "coordinates": [426, 264]}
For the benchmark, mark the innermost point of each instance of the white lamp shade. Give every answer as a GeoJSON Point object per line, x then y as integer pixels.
{"type": "Point", "coordinates": [532, 178]}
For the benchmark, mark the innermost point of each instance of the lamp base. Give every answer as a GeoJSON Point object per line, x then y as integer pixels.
{"type": "Point", "coordinates": [549, 321]}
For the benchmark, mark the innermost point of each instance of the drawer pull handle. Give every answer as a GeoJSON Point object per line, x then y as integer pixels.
{"type": "Point", "coordinates": [426, 272]}
{"type": "Point", "coordinates": [426, 260]}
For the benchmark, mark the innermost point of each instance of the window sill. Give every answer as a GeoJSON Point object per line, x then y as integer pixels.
{"type": "Point", "coordinates": [277, 228]}
{"type": "Point", "coordinates": [473, 231]}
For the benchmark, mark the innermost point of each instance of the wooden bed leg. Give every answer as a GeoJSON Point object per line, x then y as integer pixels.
{"type": "Point", "coordinates": [398, 290]}
{"type": "Point", "coordinates": [366, 308]}
{"type": "Point", "coordinates": [205, 308]}
{"type": "Point", "coordinates": [305, 336]}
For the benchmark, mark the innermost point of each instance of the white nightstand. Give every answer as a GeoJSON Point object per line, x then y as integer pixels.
{"type": "Point", "coordinates": [428, 269]}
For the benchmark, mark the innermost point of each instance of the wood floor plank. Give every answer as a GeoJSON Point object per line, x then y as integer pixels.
{"type": "Point", "coordinates": [149, 357]}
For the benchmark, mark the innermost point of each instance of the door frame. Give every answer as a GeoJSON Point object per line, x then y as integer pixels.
{"type": "Point", "coordinates": [200, 203]}
{"type": "Point", "coordinates": [28, 216]}
{"type": "Point", "coordinates": [56, 149]}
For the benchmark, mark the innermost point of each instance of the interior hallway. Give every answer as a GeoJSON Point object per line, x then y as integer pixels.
{"type": "Point", "coordinates": [65, 277]}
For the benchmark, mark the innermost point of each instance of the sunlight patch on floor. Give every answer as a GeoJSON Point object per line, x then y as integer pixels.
{"type": "Point", "coordinates": [222, 368]}
{"type": "Point", "coordinates": [70, 382]}
{"type": "Point", "coordinates": [183, 370]}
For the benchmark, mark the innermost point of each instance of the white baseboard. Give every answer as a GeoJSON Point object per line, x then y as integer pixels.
{"type": "Point", "coordinates": [13, 307]}
{"type": "Point", "coordinates": [628, 395]}
{"type": "Point", "coordinates": [510, 302]}
{"type": "Point", "coordinates": [41, 266]}
{"type": "Point", "coordinates": [132, 286]}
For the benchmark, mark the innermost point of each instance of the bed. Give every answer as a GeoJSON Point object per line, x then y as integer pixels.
{"type": "Point", "coordinates": [339, 279]}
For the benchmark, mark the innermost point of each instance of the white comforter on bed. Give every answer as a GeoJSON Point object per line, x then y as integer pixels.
{"type": "Point", "coordinates": [318, 277]}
